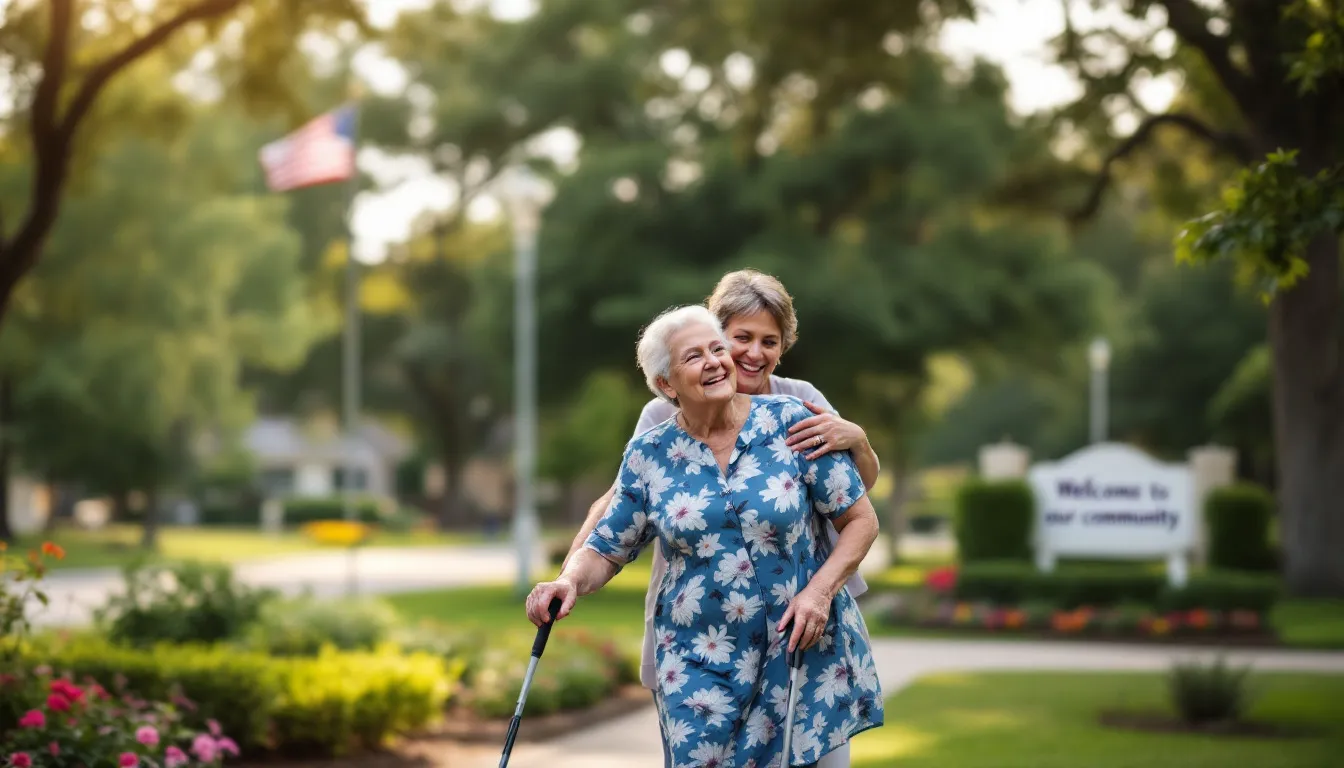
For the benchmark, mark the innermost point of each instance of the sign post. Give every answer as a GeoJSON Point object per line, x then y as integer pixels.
{"type": "Point", "coordinates": [1114, 501]}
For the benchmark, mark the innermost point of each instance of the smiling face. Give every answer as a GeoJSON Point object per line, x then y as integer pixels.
{"type": "Point", "coordinates": [701, 367]}
{"type": "Point", "coordinates": [757, 343]}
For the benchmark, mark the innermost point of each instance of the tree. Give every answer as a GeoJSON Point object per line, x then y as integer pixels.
{"type": "Point", "coordinates": [127, 342]}
{"type": "Point", "coordinates": [1278, 71]}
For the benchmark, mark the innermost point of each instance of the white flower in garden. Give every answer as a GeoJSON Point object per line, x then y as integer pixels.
{"type": "Point", "coordinates": [715, 646]}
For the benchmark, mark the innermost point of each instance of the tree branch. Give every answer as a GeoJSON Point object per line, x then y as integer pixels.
{"type": "Point", "coordinates": [55, 58]}
{"type": "Point", "coordinates": [105, 70]}
{"type": "Point", "coordinates": [1233, 145]}
{"type": "Point", "coordinates": [1191, 24]}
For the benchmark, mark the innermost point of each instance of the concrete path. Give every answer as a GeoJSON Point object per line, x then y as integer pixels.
{"type": "Point", "coordinates": [74, 594]}
{"type": "Point", "coordinates": [632, 741]}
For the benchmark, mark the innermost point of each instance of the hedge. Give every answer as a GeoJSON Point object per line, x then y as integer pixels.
{"type": "Point", "coordinates": [307, 510]}
{"type": "Point", "coordinates": [1013, 584]}
{"type": "Point", "coordinates": [994, 520]}
{"type": "Point", "coordinates": [1238, 518]}
{"type": "Point", "coordinates": [325, 706]}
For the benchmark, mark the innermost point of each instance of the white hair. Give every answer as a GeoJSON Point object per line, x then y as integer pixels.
{"type": "Point", "coordinates": [654, 352]}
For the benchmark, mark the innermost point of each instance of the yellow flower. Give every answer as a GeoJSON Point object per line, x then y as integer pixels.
{"type": "Point", "coordinates": [336, 532]}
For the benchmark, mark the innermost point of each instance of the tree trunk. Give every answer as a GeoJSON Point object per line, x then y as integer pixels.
{"type": "Point", "coordinates": [450, 508]}
{"type": "Point", "coordinates": [150, 540]}
{"type": "Point", "coordinates": [1306, 338]}
{"type": "Point", "coordinates": [6, 457]}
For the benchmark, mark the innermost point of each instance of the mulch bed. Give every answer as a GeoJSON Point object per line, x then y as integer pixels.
{"type": "Point", "coordinates": [462, 725]}
{"type": "Point", "coordinates": [1157, 722]}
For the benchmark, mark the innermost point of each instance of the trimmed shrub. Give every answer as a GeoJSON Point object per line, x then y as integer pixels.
{"type": "Point", "coordinates": [304, 510]}
{"type": "Point", "coordinates": [994, 520]}
{"type": "Point", "coordinates": [1238, 517]}
{"type": "Point", "coordinates": [303, 626]}
{"type": "Point", "coordinates": [182, 603]}
{"type": "Point", "coordinates": [1014, 584]}
{"type": "Point", "coordinates": [325, 706]}
{"type": "Point", "coordinates": [1208, 694]}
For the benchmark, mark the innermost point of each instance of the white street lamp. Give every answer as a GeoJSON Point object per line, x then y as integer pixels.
{"type": "Point", "coordinates": [1099, 360]}
{"type": "Point", "coordinates": [524, 197]}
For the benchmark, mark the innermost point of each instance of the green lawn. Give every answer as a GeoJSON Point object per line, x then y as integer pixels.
{"type": "Point", "coordinates": [118, 545]}
{"type": "Point", "coordinates": [616, 611]}
{"type": "Point", "coordinates": [1048, 720]}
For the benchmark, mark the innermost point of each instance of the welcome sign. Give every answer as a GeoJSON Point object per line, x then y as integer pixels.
{"type": "Point", "coordinates": [1114, 501]}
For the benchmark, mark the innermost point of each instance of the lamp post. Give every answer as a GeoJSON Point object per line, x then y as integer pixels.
{"type": "Point", "coordinates": [525, 196]}
{"type": "Point", "coordinates": [1099, 360]}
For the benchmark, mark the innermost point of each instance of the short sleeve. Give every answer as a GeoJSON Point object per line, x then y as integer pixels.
{"type": "Point", "coordinates": [655, 412]}
{"type": "Point", "coordinates": [833, 481]}
{"type": "Point", "coordinates": [625, 529]}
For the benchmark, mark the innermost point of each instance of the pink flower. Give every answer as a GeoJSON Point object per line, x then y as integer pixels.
{"type": "Point", "coordinates": [213, 725]}
{"type": "Point", "coordinates": [54, 749]}
{"type": "Point", "coordinates": [33, 719]}
{"type": "Point", "coordinates": [146, 735]}
{"type": "Point", "coordinates": [205, 748]}
{"type": "Point", "coordinates": [58, 703]}
{"type": "Point", "coordinates": [173, 757]}
{"type": "Point", "coordinates": [128, 760]}
{"type": "Point", "coordinates": [227, 746]}
{"type": "Point", "coordinates": [21, 760]}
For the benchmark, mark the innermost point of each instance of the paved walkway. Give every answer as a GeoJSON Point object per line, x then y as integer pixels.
{"type": "Point", "coordinates": [632, 741]}
{"type": "Point", "coordinates": [74, 594]}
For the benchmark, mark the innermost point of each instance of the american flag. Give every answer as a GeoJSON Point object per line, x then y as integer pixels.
{"type": "Point", "coordinates": [321, 152]}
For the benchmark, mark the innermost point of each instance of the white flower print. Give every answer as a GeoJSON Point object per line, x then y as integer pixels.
{"type": "Point", "coordinates": [682, 449]}
{"type": "Point", "coordinates": [791, 411]}
{"type": "Point", "coordinates": [655, 482]}
{"type": "Point", "coordinates": [710, 755]}
{"type": "Point", "coordinates": [700, 456]}
{"type": "Point", "coordinates": [795, 533]}
{"type": "Point", "coordinates": [748, 666]}
{"type": "Point", "coordinates": [760, 727]}
{"type": "Point", "coordinates": [840, 734]}
{"type": "Point", "coordinates": [683, 546]}
{"type": "Point", "coordinates": [865, 674]}
{"type": "Point", "coordinates": [735, 570]}
{"type": "Point", "coordinates": [808, 740]}
{"type": "Point", "coordinates": [631, 535]}
{"type": "Point", "coordinates": [810, 476]}
{"type": "Point", "coordinates": [604, 531]}
{"type": "Point", "coordinates": [712, 704]}
{"type": "Point", "coordinates": [678, 731]}
{"type": "Point", "coordinates": [785, 591]}
{"type": "Point", "coordinates": [686, 605]}
{"type": "Point", "coordinates": [715, 646]}
{"type": "Point", "coordinates": [777, 639]}
{"type": "Point", "coordinates": [850, 616]}
{"type": "Point", "coordinates": [832, 682]}
{"type": "Point", "coordinates": [739, 607]}
{"type": "Point", "coordinates": [667, 639]}
{"type": "Point", "coordinates": [672, 674]}
{"type": "Point", "coordinates": [779, 699]}
{"type": "Point", "coordinates": [676, 566]}
{"type": "Point", "coordinates": [785, 490]}
{"type": "Point", "coordinates": [783, 454]}
{"type": "Point", "coordinates": [760, 534]}
{"type": "Point", "coordinates": [708, 545]}
{"type": "Point", "coordinates": [747, 467]}
{"type": "Point", "coordinates": [638, 464]}
{"type": "Point", "coordinates": [686, 512]}
{"type": "Point", "coordinates": [765, 422]}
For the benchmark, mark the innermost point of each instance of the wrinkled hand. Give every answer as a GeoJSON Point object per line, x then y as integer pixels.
{"type": "Point", "coordinates": [809, 611]}
{"type": "Point", "coordinates": [539, 600]}
{"type": "Point", "coordinates": [836, 434]}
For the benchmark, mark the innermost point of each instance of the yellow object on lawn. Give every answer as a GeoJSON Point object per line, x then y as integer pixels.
{"type": "Point", "coordinates": [342, 532]}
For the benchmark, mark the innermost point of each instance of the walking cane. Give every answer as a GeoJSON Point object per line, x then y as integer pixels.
{"type": "Point", "coordinates": [538, 645]}
{"type": "Point", "coordinates": [795, 662]}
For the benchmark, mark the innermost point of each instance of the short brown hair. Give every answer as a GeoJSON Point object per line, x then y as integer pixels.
{"type": "Point", "coordinates": [747, 292]}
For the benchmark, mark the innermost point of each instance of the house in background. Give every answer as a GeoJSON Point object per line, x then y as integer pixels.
{"type": "Point", "coordinates": [309, 459]}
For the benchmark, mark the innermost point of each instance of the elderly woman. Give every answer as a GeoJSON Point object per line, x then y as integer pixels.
{"type": "Point", "coordinates": [751, 573]}
{"type": "Point", "coordinates": [757, 314]}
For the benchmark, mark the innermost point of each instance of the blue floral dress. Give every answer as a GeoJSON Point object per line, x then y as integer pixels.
{"type": "Point", "coordinates": [739, 546]}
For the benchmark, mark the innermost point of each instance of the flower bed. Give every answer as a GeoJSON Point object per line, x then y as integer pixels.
{"type": "Point", "coordinates": [1011, 598]}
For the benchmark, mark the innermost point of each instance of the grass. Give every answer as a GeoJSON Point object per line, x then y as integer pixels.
{"type": "Point", "coordinates": [118, 545]}
{"type": "Point", "coordinates": [1310, 623]}
{"type": "Point", "coordinates": [1048, 720]}
{"type": "Point", "coordinates": [616, 611]}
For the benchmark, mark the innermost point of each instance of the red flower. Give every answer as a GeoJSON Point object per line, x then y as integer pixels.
{"type": "Point", "coordinates": [941, 580]}
{"type": "Point", "coordinates": [53, 550]}
{"type": "Point", "coordinates": [67, 689]}
{"type": "Point", "coordinates": [33, 719]}
{"type": "Point", "coordinates": [128, 760]}
{"type": "Point", "coordinates": [58, 703]}
{"type": "Point", "coordinates": [21, 760]}
{"type": "Point", "coordinates": [54, 749]}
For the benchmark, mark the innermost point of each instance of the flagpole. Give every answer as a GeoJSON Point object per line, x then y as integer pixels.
{"type": "Point", "coordinates": [351, 353]}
